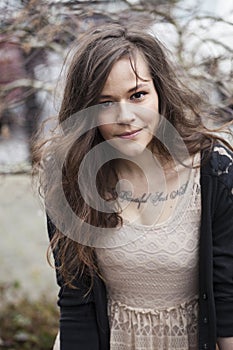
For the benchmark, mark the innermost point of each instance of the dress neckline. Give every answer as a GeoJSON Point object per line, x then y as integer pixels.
{"type": "Point", "coordinates": [180, 207]}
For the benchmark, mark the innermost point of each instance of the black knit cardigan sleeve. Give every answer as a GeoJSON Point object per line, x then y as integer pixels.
{"type": "Point", "coordinates": [216, 249]}
{"type": "Point", "coordinates": [81, 327]}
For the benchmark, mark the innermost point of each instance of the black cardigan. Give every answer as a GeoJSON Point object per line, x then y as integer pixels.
{"type": "Point", "coordinates": [83, 319]}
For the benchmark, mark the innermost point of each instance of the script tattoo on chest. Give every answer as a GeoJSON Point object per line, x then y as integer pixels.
{"type": "Point", "coordinates": [154, 198]}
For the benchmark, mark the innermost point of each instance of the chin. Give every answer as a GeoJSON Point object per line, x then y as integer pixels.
{"type": "Point", "coordinates": [129, 150]}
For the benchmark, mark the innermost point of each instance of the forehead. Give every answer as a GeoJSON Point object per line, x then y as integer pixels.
{"type": "Point", "coordinates": [123, 72]}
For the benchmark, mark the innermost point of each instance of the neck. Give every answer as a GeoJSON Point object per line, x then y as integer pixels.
{"type": "Point", "coordinates": [137, 166]}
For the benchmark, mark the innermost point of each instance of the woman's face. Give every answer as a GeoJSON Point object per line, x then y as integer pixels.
{"type": "Point", "coordinates": [129, 107]}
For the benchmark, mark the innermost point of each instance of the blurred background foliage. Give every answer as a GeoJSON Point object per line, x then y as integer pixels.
{"type": "Point", "coordinates": [36, 35]}
{"type": "Point", "coordinates": [26, 325]}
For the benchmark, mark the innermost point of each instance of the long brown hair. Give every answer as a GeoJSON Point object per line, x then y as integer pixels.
{"type": "Point", "coordinates": [96, 53]}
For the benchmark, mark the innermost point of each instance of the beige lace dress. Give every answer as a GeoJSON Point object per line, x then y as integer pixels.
{"type": "Point", "coordinates": [152, 281]}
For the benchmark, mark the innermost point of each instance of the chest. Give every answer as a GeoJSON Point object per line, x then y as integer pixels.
{"type": "Point", "coordinates": [158, 262]}
{"type": "Point", "coordinates": [156, 202]}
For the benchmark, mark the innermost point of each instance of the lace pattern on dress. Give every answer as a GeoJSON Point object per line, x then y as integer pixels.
{"type": "Point", "coordinates": [152, 282]}
{"type": "Point", "coordinates": [148, 329]}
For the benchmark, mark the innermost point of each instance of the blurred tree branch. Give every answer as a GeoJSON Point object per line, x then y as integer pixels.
{"type": "Point", "coordinates": [39, 29]}
{"type": "Point", "coordinates": [51, 26]}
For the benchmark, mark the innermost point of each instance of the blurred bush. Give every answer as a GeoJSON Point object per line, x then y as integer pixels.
{"type": "Point", "coordinates": [26, 324]}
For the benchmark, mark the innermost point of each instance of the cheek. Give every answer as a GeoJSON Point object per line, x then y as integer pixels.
{"type": "Point", "coordinates": [106, 131]}
{"type": "Point", "coordinates": [155, 121]}
{"type": "Point", "coordinates": [156, 117]}
{"type": "Point", "coordinates": [151, 118]}
{"type": "Point", "coordinates": [106, 124]}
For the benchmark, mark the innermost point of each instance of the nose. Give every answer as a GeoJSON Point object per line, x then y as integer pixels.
{"type": "Point", "coordinates": [126, 114]}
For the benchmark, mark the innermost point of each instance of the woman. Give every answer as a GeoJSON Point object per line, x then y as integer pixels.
{"type": "Point", "coordinates": [139, 204]}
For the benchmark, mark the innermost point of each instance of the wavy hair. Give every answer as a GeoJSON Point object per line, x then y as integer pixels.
{"type": "Point", "coordinates": [95, 54]}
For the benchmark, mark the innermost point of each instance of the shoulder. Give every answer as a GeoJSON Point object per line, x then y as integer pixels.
{"type": "Point", "coordinates": [221, 160]}
{"type": "Point", "coordinates": [219, 163]}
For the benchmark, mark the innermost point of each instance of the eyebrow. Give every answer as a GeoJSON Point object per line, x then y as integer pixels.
{"type": "Point", "coordinates": [137, 87]}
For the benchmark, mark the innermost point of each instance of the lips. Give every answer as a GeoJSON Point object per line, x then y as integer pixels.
{"type": "Point", "coordinates": [130, 134]}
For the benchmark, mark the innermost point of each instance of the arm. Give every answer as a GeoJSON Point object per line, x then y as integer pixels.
{"type": "Point", "coordinates": [78, 324]}
{"type": "Point", "coordinates": [223, 262]}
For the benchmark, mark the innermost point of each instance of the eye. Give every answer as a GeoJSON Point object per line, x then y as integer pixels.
{"type": "Point", "coordinates": [138, 95]}
{"type": "Point", "coordinates": [106, 104]}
